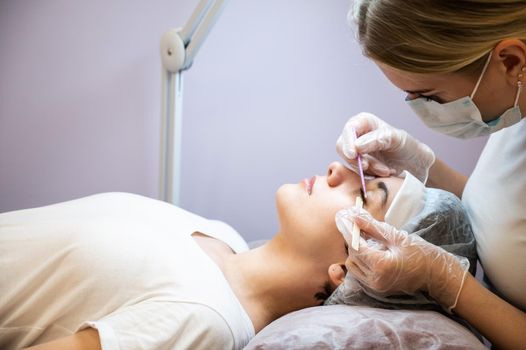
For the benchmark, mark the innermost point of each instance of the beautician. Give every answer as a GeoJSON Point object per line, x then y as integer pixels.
{"type": "Point", "coordinates": [462, 64]}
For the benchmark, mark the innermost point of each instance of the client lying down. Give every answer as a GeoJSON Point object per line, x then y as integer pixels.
{"type": "Point", "coordinates": [122, 271]}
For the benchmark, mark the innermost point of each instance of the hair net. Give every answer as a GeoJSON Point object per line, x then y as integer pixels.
{"type": "Point", "coordinates": [442, 220]}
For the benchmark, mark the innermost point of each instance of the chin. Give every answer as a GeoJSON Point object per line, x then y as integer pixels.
{"type": "Point", "coordinates": [292, 207]}
{"type": "Point", "coordinates": [288, 196]}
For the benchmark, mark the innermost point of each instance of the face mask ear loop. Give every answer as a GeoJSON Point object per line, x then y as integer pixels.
{"type": "Point", "coordinates": [481, 75]}
{"type": "Point", "coordinates": [519, 87]}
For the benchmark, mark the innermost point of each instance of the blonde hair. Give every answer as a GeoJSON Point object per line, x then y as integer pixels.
{"type": "Point", "coordinates": [436, 36]}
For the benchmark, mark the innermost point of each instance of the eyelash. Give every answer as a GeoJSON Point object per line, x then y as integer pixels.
{"type": "Point", "coordinates": [363, 196]}
{"type": "Point", "coordinates": [431, 98]}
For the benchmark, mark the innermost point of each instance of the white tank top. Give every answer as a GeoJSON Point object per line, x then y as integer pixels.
{"type": "Point", "coordinates": [495, 198]}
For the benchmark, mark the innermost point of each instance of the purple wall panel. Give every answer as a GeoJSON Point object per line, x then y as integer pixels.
{"type": "Point", "coordinates": [264, 103]}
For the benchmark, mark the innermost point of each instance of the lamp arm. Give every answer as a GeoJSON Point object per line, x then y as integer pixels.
{"type": "Point", "coordinates": [202, 31]}
{"type": "Point", "coordinates": [195, 20]}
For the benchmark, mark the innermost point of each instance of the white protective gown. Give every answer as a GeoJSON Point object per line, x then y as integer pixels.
{"type": "Point", "coordinates": [495, 197]}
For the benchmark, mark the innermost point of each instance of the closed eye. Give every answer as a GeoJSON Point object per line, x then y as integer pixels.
{"type": "Point", "coordinates": [432, 98]}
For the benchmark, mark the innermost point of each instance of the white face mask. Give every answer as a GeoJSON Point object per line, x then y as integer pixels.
{"type": "Point", "coordinates": [461, 118]}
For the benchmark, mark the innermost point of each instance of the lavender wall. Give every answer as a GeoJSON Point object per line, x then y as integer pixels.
{"type": "Point", "coordinates": [264, 102]}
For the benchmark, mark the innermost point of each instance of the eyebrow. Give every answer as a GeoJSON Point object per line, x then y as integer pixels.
{"type": "Point", "coordinates": [382, 186]}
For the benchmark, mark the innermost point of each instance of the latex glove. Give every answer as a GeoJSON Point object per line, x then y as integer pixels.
{"type": "Point", "coordinates": [394, 262]}
{"type": "Point", "coordinates": [385, 150]}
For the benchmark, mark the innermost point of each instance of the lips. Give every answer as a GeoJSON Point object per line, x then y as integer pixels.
{"type": "Point", "coordinates": [309, 184]}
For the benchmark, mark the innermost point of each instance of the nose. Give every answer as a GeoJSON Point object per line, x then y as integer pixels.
{"type": "Point", "coordinates": [338, 174]}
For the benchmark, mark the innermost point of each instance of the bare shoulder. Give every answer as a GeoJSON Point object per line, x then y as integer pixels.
{"type": "Point", "coordinates": [87, 339]}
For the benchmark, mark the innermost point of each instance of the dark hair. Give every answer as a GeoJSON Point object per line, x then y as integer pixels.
{"type": "Point", "coordinates": [324, 293]}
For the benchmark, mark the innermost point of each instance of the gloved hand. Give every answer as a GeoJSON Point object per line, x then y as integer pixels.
{"type": "Point", "coordinates": [393, 262]}
{"type": "Point", "coordinates": [385, 150]}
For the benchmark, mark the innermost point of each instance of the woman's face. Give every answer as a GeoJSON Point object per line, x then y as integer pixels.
{"type": "Point", "coordinates": [308, 220]}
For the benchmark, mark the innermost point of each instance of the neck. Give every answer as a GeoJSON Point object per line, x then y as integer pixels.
{"type": "Point", "coordinates": [271, 281]}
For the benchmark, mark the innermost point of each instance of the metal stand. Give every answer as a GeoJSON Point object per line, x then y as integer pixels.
{"type": "Point", "coordinates": [178, 49]}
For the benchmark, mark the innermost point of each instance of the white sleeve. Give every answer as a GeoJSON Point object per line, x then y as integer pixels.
{"type": "Point", "coordinates": [163, 325]}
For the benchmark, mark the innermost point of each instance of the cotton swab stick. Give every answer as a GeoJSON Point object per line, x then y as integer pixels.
{"type": "Point", "coordinates": [360, 167]}
{"type": "Point", "coordinates": [355, 229]}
